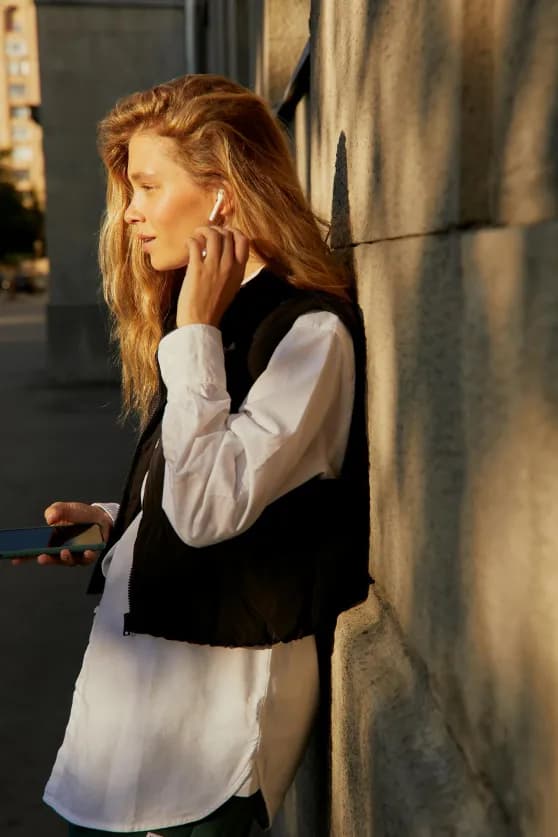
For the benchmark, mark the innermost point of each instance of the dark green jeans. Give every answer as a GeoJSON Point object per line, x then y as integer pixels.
{"type": "Point", "coordinates": [233, 819]}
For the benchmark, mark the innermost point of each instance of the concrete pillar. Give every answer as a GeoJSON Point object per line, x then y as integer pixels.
{"type": "Point", "coordinates": [195, 27]}
{"type": "Point", "coordinates": [283, 32]}
{"type": "Point", "coordinates": [91, 53]}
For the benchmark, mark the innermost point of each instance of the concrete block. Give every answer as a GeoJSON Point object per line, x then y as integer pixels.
{"type": "Point", "coordinates": [386, 92]}
{"type": "Point", "coordinates": [90, 57]}
{"type": "Point", "coordinates": [284, 32]}
{"type": "Point", "coordinates": [396, 768]}
{"type": "Point", "coordinates": [526, 111]}
{"type": "Point", "coordinates": [443, 114]}
{"type": "Point", "coordinates": [463, 408]}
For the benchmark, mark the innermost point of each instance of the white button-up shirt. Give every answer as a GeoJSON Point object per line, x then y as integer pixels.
{"type": "Point", "coordinates": [163, 732]}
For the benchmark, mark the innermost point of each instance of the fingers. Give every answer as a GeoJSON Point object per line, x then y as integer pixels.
{"type": "Point", "coordinates": [53, 560]}
{"type": "Point", "coordinates": [40, 559]}
{"type": "Point", "coordinates": [194, 252]}
{"type": "Point", "coordinates": [227, 253]}
{"type": "Point", "coordinates": [75, 559]}
{"type": "Point", "coordinates": [66, 558]}
{"type": "Point", "coordinates": [241, 248]}
{"type": "Point", "coordinates": [65, 513]}
{"type": "Point", "coordinates": [210, 240]}
{"type": "Point", "coordinates": [221, 245]}
{"type": "Point", "coordinates": [214, 280]}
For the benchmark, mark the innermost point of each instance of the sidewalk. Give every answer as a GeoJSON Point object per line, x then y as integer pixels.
{"type": "Point", "coordinates": [54, 444]}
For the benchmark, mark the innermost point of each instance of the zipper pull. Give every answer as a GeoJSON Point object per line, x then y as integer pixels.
{"type": "Point", "coordinates": [126, 631]}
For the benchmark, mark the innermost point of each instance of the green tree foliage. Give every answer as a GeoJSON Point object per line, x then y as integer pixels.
{"type": "Point", "coordinates": [20, 225]}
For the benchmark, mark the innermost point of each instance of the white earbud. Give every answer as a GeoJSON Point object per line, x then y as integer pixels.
{"type": "Point", "coordinates": [217, 206]}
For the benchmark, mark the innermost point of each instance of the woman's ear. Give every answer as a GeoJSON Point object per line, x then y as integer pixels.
{"type": "Point", "coordinates": [225, 200]}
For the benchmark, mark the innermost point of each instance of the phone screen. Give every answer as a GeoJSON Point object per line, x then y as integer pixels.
{"type": "Point", "coordinates": [50, 539]}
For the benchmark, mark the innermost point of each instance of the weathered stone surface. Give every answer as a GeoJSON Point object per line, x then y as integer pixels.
{"type": "Point", "coordinates": [284, 32]}
{"type": "Point", "coordinates": [525, 176]}
{"type": "Point", "coordinates": [396, 768]}
{"type": "Point", "coordinates": [448, 113]}
{"type": "Point", "coordinates": [464, 444]}
{"type": "Point", "coordinates": [386, 82]}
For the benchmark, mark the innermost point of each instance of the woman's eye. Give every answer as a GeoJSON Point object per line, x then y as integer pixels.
{"type": "Point", "coordinates": [147, 187]}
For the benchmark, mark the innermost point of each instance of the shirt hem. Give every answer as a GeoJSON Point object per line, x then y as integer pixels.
{"type": "Point", "coordinates": [63, 812]}
{"type": "Point", "coordinates": [84, 822]}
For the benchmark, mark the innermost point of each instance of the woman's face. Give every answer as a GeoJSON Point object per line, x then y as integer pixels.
{"type": "Point", "coordinates": [166, 205]}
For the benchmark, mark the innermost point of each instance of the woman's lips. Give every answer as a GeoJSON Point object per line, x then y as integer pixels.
{"type": "Point", "coordinates": [146, 241]}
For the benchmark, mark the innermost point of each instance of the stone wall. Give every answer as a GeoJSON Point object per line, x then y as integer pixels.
{"type": "Point", "coordinates": [433, 150]}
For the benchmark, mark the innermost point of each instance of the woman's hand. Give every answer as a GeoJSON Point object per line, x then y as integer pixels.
{"type": "Point", "coordinates": [211, 284]}
{"type": "Point", "coordinates": [60, 514]}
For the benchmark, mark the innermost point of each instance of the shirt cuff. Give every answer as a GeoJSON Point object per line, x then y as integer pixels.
{"type": "Point", "coordinates": [192, 358]}
{"type": "Point", "coordinates": [110, 508]}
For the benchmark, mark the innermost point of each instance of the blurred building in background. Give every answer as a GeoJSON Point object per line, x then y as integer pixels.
{"type": "Point", "coordinates": [21, 148]}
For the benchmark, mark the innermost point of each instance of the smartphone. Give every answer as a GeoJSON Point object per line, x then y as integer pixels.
{"type": "Point", "coordinates": [17, 543]}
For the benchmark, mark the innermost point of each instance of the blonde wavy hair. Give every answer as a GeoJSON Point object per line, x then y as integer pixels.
{"type": "Point", "coordinates": [223, 133]}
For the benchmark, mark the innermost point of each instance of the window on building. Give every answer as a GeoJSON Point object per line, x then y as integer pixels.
{"type": "Point", "coordinates": [13, 20]}
{"type": "Point", "coordinates": [20, 132]}
{"type": "Point", "coordinates": [16, 48]}
{"type": "Point", "coordinates": [18, 68]}
{"type": "Point", "coordinates": [20, 112]}
{"type": "Point", "coordinates": [21, 175]}
{"type": "Point", "coordinates": [22, 154]}
{"type": "Point", "coordinates": [17, 91]}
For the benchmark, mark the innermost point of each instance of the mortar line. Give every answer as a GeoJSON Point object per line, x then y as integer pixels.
{"type": "Point", "coordinates": [450, 230]}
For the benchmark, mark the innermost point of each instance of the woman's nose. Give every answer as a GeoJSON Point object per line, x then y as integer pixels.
{"type": "Point", "coordinates": [133, 215]}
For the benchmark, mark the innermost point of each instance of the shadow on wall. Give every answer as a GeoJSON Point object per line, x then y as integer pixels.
{"type": "Point", "coordinates": [462, 504]}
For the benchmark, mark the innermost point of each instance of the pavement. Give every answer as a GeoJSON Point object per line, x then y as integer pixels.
{"type": "Point", "coordinates": [55, 444]}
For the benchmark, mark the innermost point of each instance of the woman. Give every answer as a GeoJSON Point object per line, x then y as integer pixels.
{"type": "Point", "coordinates": [242, 530]}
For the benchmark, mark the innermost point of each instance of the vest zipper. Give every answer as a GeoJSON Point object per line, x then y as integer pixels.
{"type": "Point", "coordinates": [126, 630]}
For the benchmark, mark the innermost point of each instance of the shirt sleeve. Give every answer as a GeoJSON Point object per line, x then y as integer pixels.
{"type": "Point", "coordinates": [221, 468]}
{"type": "Point", "coordinates": [110, 508]}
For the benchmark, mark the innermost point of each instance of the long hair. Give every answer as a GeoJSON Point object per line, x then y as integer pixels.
{"type": "Point", "coordinates": [223, 133]}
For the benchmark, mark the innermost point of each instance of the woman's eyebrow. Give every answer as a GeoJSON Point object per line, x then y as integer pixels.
{"type": "Point", "coordinates": [140, 175]}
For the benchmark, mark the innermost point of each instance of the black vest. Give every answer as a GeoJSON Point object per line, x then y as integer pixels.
{"type": "Point", "coordinates": [302, 562]}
